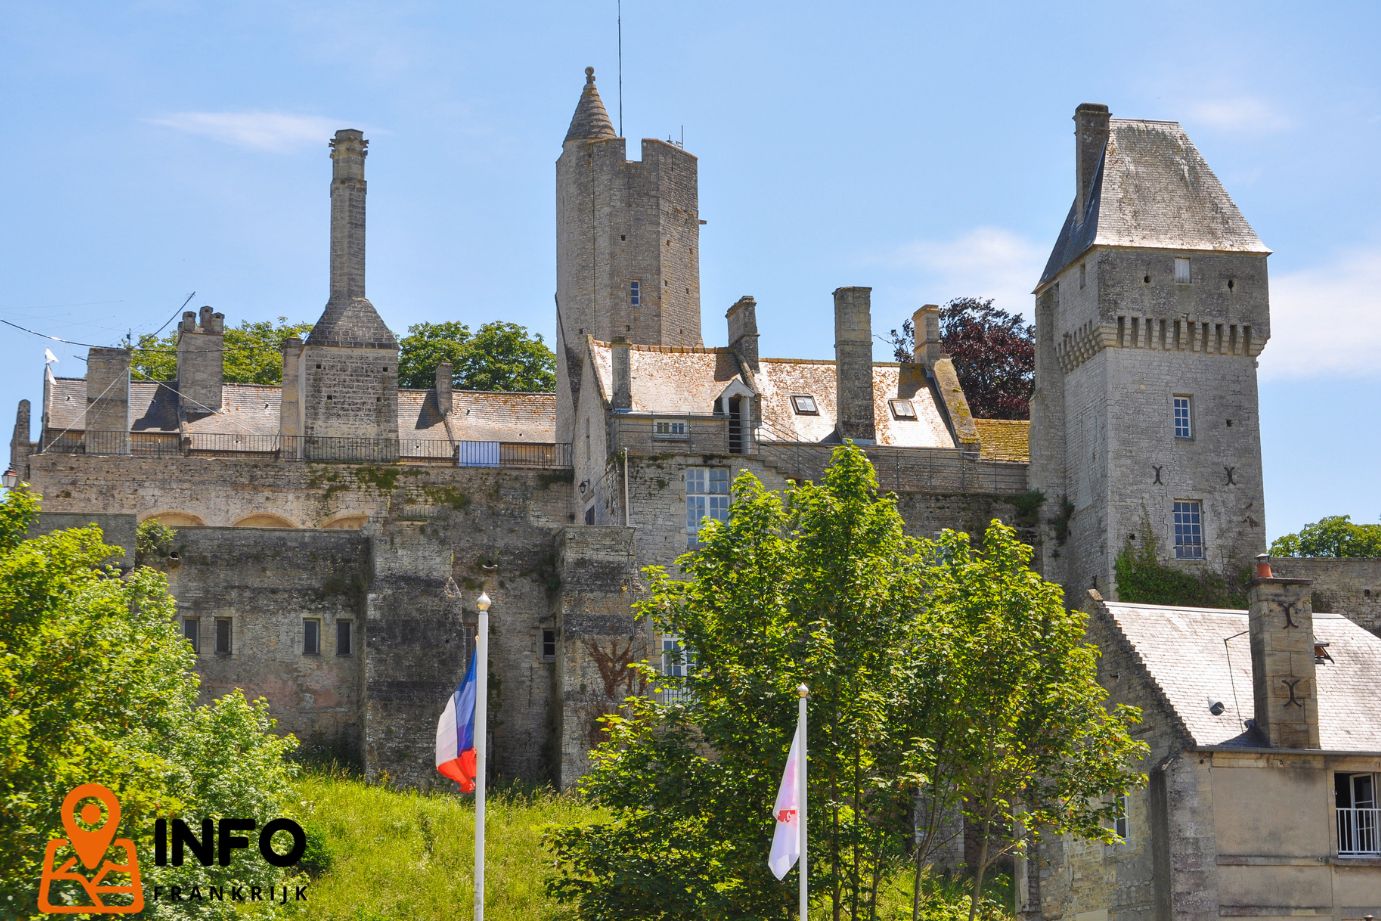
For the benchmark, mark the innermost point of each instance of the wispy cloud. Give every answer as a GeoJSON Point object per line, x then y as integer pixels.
{"type": "Point", "coordinates": [1243, 114]}
{"type": "Point", "coordinates": [273, 132]}
{"type": "Point", "coordinates": [1323, 319]}
{"type": "Point", "coordinates": [982, 262]}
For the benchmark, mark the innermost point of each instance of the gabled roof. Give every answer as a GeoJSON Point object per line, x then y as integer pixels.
{"type": "Point", "coordinates": [1004, 439]}
{"type": "Point", "coordinates": [590, 121]}
{"type": "Point", "coordinates": [672, 380]}
{"type": "Point", "coordinates": [1153, 189]}
{"type": "Point", "coordinates": [1183, 651]}
{"type": "Point", "coordinates": [352, 323]}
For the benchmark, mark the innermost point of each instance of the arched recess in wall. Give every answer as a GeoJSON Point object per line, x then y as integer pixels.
{"type": "Point", "coordinates": [346, 521]}
{"type": "Point", "coordinates": [176, 519]}
{"type": "Point", "coordinates": [264, 520]}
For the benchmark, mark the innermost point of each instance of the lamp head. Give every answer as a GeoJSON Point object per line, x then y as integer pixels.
{"type": "Point", "coordinates": [483, 602]}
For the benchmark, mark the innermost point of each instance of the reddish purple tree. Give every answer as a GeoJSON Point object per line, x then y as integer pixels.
{"type": "Point", "coordinates": [994, 354]}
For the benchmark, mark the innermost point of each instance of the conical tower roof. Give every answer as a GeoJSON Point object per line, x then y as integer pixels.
{"type": "Point", "coordinates": [590, 121]}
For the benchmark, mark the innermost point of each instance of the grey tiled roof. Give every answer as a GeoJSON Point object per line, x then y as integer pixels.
{"type": "Point", "coordinates": [352, 323]}
{"type": "Point", "coordinates": [591, 120]}
{"type": "Point", "coordinates": [1153, 189]}
{"type": "Point", "coordinates": [1184, 653]}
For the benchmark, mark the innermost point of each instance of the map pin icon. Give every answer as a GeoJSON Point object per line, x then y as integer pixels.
{"type": "Point", "coordinates": [91, 845]}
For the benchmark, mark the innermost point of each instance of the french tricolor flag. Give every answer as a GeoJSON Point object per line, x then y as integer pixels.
{"type": "Point", "coordinates": [455, 734]}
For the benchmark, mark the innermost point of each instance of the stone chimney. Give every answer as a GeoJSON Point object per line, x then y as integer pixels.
{"type": "Point", "coordinates": [1090, 138]}
{"type": "Point", "coordinates": [290, 410]}
{"type": "Point", "coordinates": [622, 397]}
{"type": "Point", "coordinates": [443, 388]}
{"type": "Point", "coordinates": [1281, 624]}
{"type": "Point", "coordinates": [200, 353]}
{"type": "Point", "coordinates": [20, 445]}
{"type": "Point", "coordinates": [107, 401]}
{"type": "Point", "coordinates": [853, 363]}
{"type": "Point", "coordinates": [348, 150]}
{"type": "Point", "coordinates": [925, 325]}
{"type": "Point", "coordinates": [743, 330]}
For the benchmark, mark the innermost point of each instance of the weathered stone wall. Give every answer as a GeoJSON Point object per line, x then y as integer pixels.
{"type": "Point", "coordinates": [200, 349]}
{"type": "Point", "coordinates": [1348, 587]}
{"type": "Point", "coordinates": [118, 529]}
{"type": "Point", "coordinates": [266, 582]}
{"type": "Point", "coordinates": [350, 393]}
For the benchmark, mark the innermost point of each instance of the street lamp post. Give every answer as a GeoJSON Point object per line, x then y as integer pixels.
{"type": "Point", "coordinates": [481, 742]}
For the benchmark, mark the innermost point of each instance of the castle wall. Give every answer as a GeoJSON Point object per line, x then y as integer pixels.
{"type": "Point", "coordinates": [1351, 587]}
{"type": "Point", "coordinates": [352, 393]}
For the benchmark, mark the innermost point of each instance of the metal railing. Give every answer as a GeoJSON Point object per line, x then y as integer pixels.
{"type": "Point", "coordinates": [312, 448]}
{"type": "Point", "coordinates": [1359, 832]}
{"type": "Point", "coordinates": [670, 690]}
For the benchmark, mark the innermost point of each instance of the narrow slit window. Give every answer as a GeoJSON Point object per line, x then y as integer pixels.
{"type": "Point", "coordinates": [345, 637]}
{"type": "Point", "coordinates": [223, 636]}
{"type": "Point", "coordinates": [311, 636]}
{"type": "Point", "coordinates": [1121, 825]}
{"type": "Point", "coordinates": [635, 295]}
{"type": "Point", "coordinates": [548, 645]}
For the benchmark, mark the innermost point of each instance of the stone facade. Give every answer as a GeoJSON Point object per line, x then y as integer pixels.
{"type": "Point", "coordinates": [1351, 587]}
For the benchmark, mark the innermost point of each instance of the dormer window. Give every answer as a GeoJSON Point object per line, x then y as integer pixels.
{"type": "Point", "coordinates": [804, 404]}
{"type": "Point", "coordinates": [635, 296]}
{"type": "Point", "coordinates": [902, 409]}
{"type": "Point", "coordinates": [1182, 270]}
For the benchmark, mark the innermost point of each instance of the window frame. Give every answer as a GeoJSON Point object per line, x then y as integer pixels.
{"type": "Point", "coordinates": [803, 399]}
{"type": "Point", "coordinates": [1188, 534]}
{"type": "Point", "coordinates": [194, 637]}
{"type": "Point", "coordinates": [229, 647]}
{"type": "Point", "coordinates": [1187, 276]}
{"type": "Point", "coordinates": [1122, 823]}
{"type": "Point", "coordinates": [314, 648]}
{"type": "Point", "coordinates": [345, 626]}
{"type": "Point", "coordinates": [1188, 433]}
{"type": "Point", "coordinates": [707, 496]}
{"type": "Point", "coordinates": [1363, 832]}
{"type": "Point", "coordinates": [635, 293]}
{"type": "Point", "coordinates": [678, 669]}
{"type": "Point", "coordinates": [670, 429]}
{"type": "Point", "coordinates": [910, 415]}
{"type": "Point", "coordinates": [548, 637]}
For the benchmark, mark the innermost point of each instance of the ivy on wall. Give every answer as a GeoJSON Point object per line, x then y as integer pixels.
{"type": "Point", "coordinates": [1143, 578]}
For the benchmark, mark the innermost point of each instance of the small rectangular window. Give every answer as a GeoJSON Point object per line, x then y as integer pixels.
{"type": "Point", "coordinates": [311, 636]}
{"type": "Point", "coordinates": [677, 659]}
{"type": "Point", "coordinates": [191, 630]}
{"type": "Point", "coordinates": [1184, 417]}
{"type": "Point", "coordinates": [223, 636]}
{"type": "Point", "coordinates": [1189, 529]}
{"type": "Point", "coordinates": [804, 405]}
{"type": "Point", "coordinates": [635, 297]}
{"type": "Point", "coordinates": [345, 637]}
{"type": "Point", "coordinates": [548, 645]}
{"type": "Point", "coordinates": [902, 409]}
{"type": "Point", "coordinates": [1181, 270]}
{"type": "Point", "coordinates": [1120, 825]}
{"type": "Point", "coordinates": [669, 429]}
{"type": "Point", "coordinates": [1083, 274]}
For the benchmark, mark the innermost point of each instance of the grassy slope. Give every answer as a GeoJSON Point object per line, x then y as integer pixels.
{"type": "Point", "coordinates": [398, 854]}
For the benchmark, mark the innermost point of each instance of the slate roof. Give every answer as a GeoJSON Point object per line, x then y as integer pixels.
{"type": "Point", "coordinates": [1004, 439]}
{"type": "Point", "coordinates": [1183, 652]}
{"type": "Point", "coordinates": [352, 323]}
{"type": "Point", "coordinates": [590, 121]}
{"type": "Point", "coordinates": [1153, 189]}
{"type": "Point", "coordinates": [674, 380]}
{"type": "Point", "coordinates": [253, 409]}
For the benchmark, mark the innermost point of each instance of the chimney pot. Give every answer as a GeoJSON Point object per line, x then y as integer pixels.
{"type": "Point", "coordinates": [1263, 566]}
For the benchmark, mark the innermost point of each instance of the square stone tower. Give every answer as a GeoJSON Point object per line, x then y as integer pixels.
{"type": "Point", "coordinates": [348, 367]}
{"type": "Point", "coordinates": [1150, 315]}
{"type": "Point", "coordinates": [627, 244]}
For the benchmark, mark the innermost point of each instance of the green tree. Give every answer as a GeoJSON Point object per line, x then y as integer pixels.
{"type": "Point", "coordinates": [497, 356]}
{"type": "Point", "coordinates": [818, 585]}
{"type": "Point", "coordinates": [1331, 536]}
{"type": "Point", "coordinates": [253, 352]}
{"type": "Point", "coordinates": [98, 687]}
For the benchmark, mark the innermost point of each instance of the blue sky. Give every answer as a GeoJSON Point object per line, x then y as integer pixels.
{"type": "Point", "coordinates": [164, 147]}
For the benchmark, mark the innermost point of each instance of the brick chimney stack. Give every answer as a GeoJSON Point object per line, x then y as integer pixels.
{"type": "Point", "coordinates": [107, 400]}
{"type": "Point", "coordinates": [925, 326]}
{"type": "Point", "coordinates": [1281, 624]}
{"type": "Point", "coordinates": [622, 397]}
{"type": "Point", "coordinates": [853, 363]}
{"type": "Point", "coordinates": [1090, 138]}
{"type": "Point", "coordinates": [348, 150]}
{"type": "Point", "coordinates": [200, 350]}
{"type": "Point", "coordinates": [444, 371]}
{"type": "Point", "coordinates": [743, 330]}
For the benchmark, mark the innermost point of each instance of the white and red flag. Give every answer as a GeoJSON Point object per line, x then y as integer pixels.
{"type": "Point", "coordinates": [789, 808]}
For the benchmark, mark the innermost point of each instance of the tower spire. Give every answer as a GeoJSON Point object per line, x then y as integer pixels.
{"type": "Point", "coordinates": [591, 120]}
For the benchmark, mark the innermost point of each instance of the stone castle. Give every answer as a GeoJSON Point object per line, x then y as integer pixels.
{"type": "Point", "coordinates": [333, 532]}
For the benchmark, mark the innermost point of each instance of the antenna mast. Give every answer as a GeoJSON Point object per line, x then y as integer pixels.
{"type": "Point", "coordinates": [620, 68]}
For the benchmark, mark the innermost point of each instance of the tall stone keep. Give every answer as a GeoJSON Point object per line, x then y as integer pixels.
{"type": "Point", "coordinates": [627, 244]}
{"type": "Point", "coordinates": [349, 363]}
{"type": "Point", "coordinates": [1150, 315]}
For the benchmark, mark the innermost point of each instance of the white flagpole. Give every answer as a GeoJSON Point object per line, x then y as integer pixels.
{"type": "Point", "coordinates": [481, 740]}
{"type": "Point", "coordinates": [804, 692]}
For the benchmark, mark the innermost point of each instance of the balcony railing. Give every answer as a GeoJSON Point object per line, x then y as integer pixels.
{"type": "Point", "coordinates": [313, 448]}
{"type": "Point", "coordinates": [1359, 832]}
{"type": "Point", "coordinates": [671, 690]}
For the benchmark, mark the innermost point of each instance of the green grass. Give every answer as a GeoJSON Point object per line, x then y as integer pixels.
{"type": "Point", "coordinates": [391, 854]}
{"type": "Point", "coordinates": [394, 854]}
